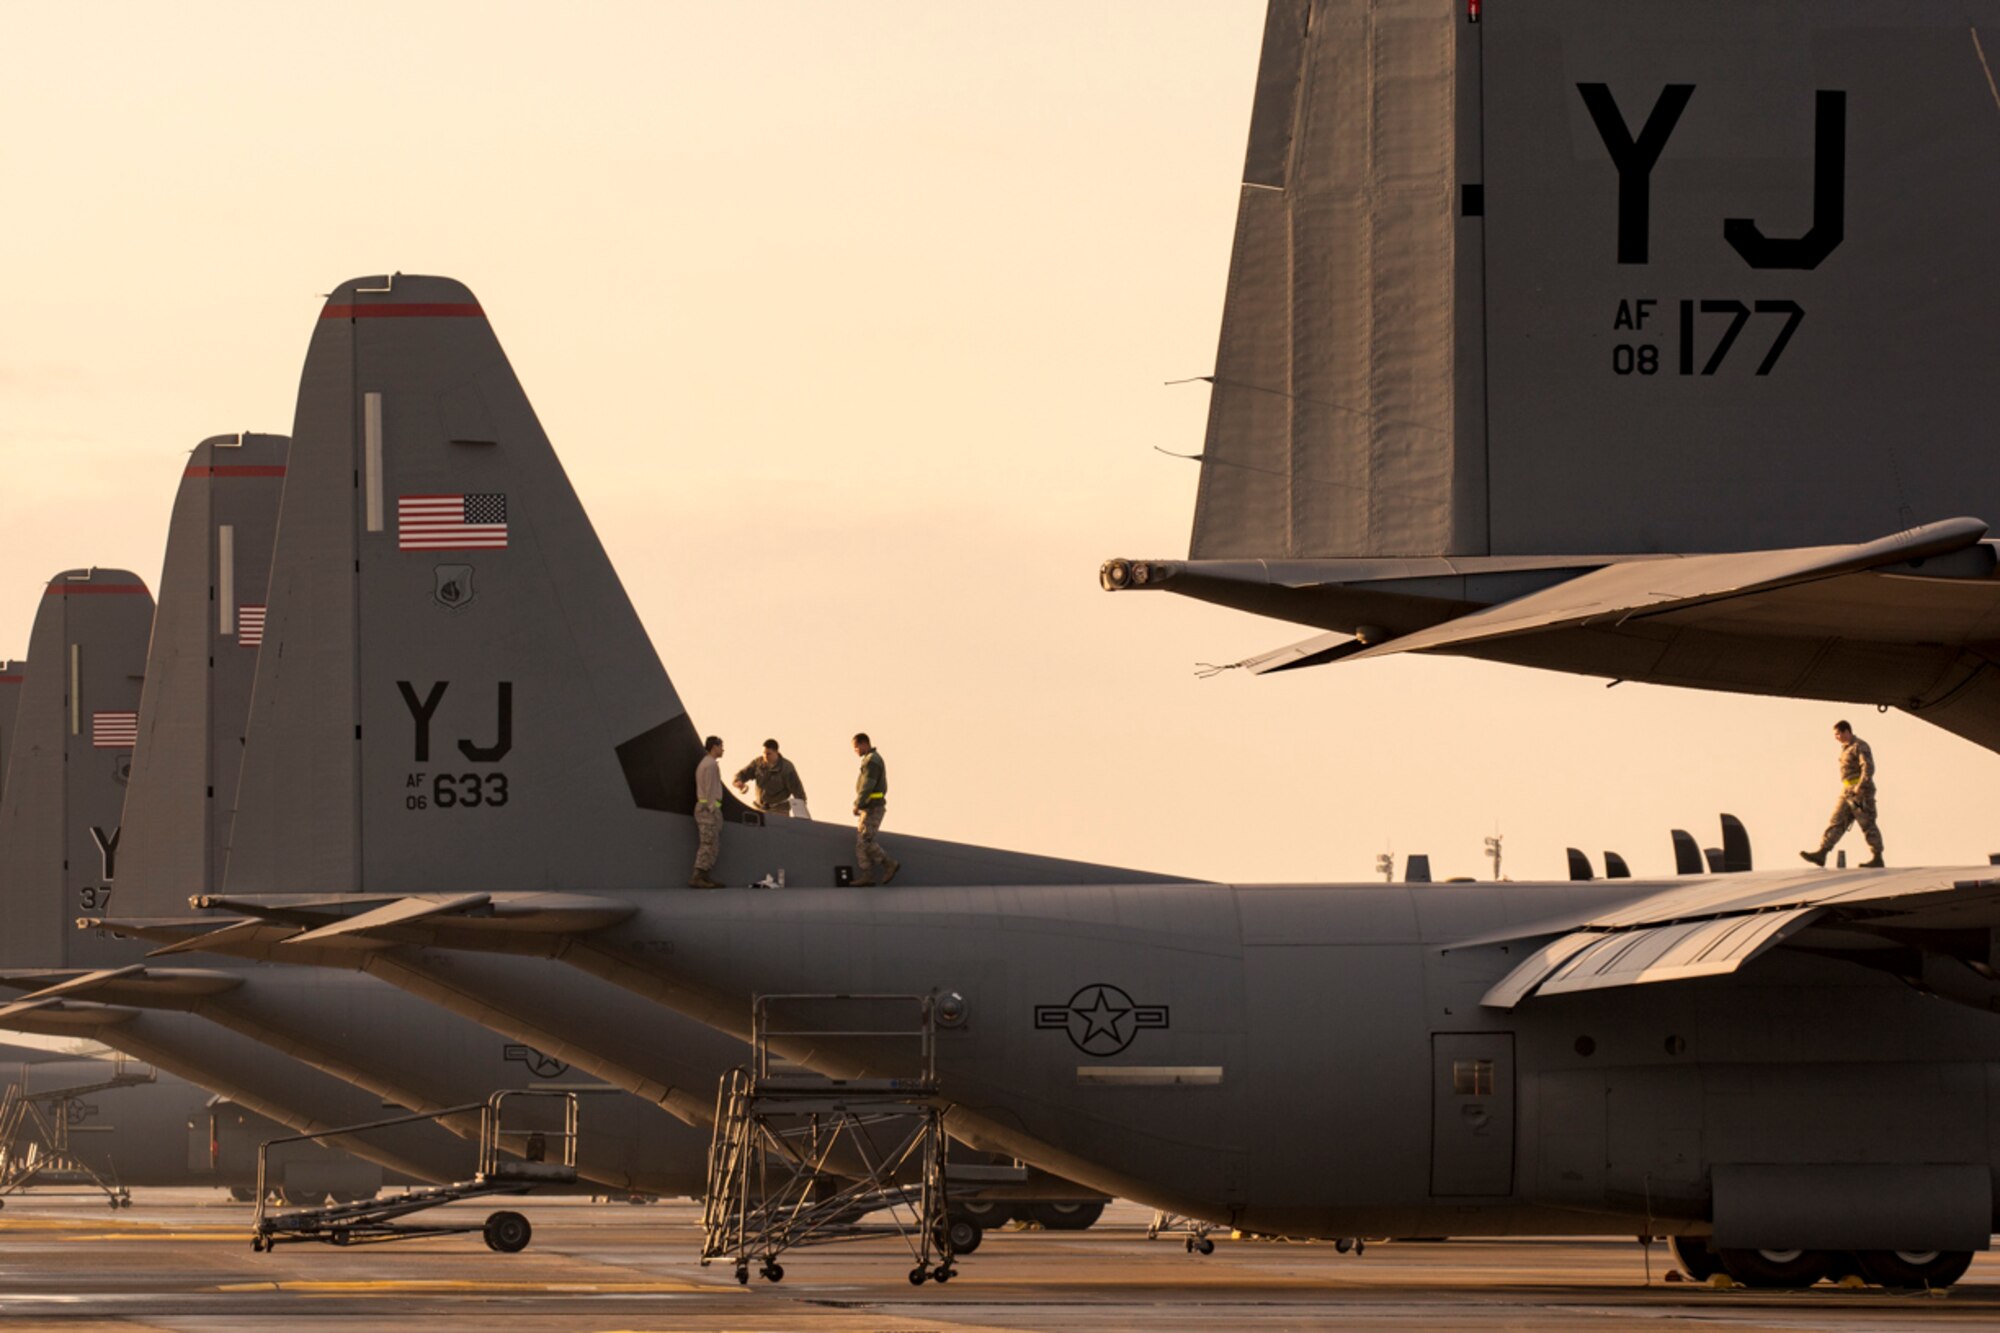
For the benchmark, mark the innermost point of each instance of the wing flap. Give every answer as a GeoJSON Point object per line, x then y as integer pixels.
{"type": "Point", "coordinates": [1677, 951]}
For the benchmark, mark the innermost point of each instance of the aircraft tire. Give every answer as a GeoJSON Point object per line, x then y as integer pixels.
{"type": "Point", "coordinates": [1066, 1216]}
{"type": "Point", "coordinates": [1914, 1268]}
{"type": "Point", "coordinates": [989, 1213]}
{"type": "Point", "coordinates": [1785, 1269]}
{"type": "Point", "coordinates": [963, 1233]}
{"type": "Point", "coordinates": [507, 1232]}
{"type": "Point", "coordinates": [1697, 1257]}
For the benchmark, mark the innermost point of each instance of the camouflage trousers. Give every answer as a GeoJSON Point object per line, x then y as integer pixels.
{"type": "Point", "coordinates": [708, 827]}
{"type": "Point", "coordinates": [869, 858]}
{"type": "Point", "coordinates": [1856, 806]}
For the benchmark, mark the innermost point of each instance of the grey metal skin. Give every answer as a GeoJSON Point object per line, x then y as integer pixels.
{"type": "Point", "coordinates": [400, 1051]}
{"type": "Point", "coordinates": [1292, 1069]}
{"type": "Point", "coordinates": [92, 629]}
{"type": "Point", "coordinates": [1697, 281]}
{"type": "Point", "coordinates": [599, 754]}
{"type": "Point", "coordinates": [1288, 1058]}
{"type": "Point", "coordinates": [145, 1134]}
{"type": "Point", "coordinates": [12, 674]}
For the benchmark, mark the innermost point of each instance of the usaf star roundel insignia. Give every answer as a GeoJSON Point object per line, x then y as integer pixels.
{"type": "Point", "coordinates": [1101, 1020]}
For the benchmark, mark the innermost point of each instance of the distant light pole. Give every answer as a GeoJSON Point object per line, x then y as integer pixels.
{"type": "Point", "coordinates": [1493, 850]}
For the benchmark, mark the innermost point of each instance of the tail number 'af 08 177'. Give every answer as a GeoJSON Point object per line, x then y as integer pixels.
{"type": "Point", "coordinates": [1633, 156]}
{"type": "Point", "coordinates": [425, 789]}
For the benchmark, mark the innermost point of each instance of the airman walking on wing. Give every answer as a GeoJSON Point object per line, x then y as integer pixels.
{"type": "Point", "coordinates": [1857, 799]}
{"type": "Point", "coordinates": [871, 796]}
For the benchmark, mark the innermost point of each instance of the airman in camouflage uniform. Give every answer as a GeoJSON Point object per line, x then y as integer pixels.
{"type": "Point", "coordinates": [707, 814]}
{"type": "Point", "coordinates": [1857, 799]}
{"type": "Point", "coordinates": [871, 799]}
{"type": "Point", "coordinates": [777, 781]}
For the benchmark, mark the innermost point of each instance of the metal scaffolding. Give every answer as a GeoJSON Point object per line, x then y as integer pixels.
{"type": "Point", "coordinates": [801, 1160]}
{"type": "Point", "coordinates": [373, 1221]}
{"type": "Point", "coordinates": [35, 1150]}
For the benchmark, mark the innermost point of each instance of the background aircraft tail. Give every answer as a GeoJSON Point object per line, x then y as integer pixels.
{"type": "Point", "coordinates": [207, 630]}
{"type": "Point", "coordinates": [75, 728]}
{"type": "Point", "coordinates": [13, 673]}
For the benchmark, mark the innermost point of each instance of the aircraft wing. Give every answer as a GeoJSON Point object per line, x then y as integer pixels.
{"type": "Point", "coordinates": [1630, 589]}
{"type": "Point", "coordinates": [1714, 926]}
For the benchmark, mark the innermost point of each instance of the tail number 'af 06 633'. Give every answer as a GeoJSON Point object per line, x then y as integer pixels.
{"type": "Point", "coordinates": [486, 789]}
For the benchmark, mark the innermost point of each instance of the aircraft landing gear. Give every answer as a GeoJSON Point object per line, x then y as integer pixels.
{"type": "Point", "coordinates": [1775, 1269]}
{"type": "Point", "coordinates": [773, 1272]}
{"type": "Point", "coordinates": [1696, 1256]}
{"type": "Point", "coordinates": [1354, 1243]}
{"type": "Point", "coordinates": [962, 1234]}
{"type": "Point", "coordinates": [1200, 1245]}
{"type": "Point", "coordinates": [1913, 1268]}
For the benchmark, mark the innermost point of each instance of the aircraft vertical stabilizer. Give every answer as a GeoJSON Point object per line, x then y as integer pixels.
{"type": "Point", "coordinates": [1334, 425]}
{"type": "Point", "coordinates": [1520, 307]}
{"type": "Point", "coordinates": [209, 627]}
{"type": "Point", "coordinates": [13, 674]}
{"type": "Point", "coordinates": [76, 725]}
{"type": "Point", "coordinates": [427, 522]}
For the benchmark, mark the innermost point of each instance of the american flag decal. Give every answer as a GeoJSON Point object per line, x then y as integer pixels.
{"type": "Point", "coordinates": [114, 731]}
{"type": "Point", "coordinates": [250, 625]}
{"type": "Point", "coordinates": [451, 522]}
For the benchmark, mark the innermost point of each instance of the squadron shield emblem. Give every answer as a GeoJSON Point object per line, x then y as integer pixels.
{"type": "Point", "coordinates": [1101, 1020]}
{"type": "Point", "coordinates": [453, 589]}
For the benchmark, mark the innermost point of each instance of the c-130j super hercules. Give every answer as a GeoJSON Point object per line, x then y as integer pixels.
{"type": "Point", "coordinates": [1790, 1069]}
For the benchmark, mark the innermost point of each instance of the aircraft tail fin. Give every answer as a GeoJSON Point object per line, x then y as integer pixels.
{"type": "Point", "coordinates": [13, 672]}
{"type": "Point", "coordinates": [207, 630]}
{"type": "Point", "coordinates": [76, 725]}
{"type": "Point", "coordinates": [438, 590]}
{"type": "Point", "coordinates": [1690, 281]}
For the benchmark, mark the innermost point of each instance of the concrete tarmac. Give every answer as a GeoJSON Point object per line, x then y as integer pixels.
{"type": "Point", "coordinates": [181, 1260]}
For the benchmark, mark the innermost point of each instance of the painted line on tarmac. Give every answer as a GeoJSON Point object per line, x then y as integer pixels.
{"type": "Point", "coordinates": [395, 1286]}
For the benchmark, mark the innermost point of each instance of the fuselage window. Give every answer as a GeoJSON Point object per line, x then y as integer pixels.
{"type": "Point", "coordinates": [1472, 1078]}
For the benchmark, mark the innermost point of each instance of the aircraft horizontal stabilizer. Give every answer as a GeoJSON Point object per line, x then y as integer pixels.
{"type": "Point", "coordinates": [1631, 589]}
{"type": "Point", "coordinates": [57, 1016]}
{"type": "Point", "coordinates": [1316, 651]}
{"type": "Point", "coordinates": [397, 913]}
{"type": "Point", "coordinates": [134, 982]}
{"type": "Point", "coordinates": [393, 919]}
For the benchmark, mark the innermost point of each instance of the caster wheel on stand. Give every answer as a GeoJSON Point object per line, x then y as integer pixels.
{"type": "Point", "coordinates": [742, 1274]}
{"type": "Point", "coordinates": [1205, 1245]}
{"type": "Point", "coordinates": [917, 1276]}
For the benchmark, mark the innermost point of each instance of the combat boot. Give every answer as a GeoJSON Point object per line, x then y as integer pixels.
{"type": "Point", "coordinates": [1873, 863]}
{"type": "Point", "coordinates": [1817, 858]}
{"type": "Point", "coordinates": [700, 880]}
{"type": "Point", "coordinates": [890, 873]}
{"type": "Point", "coordinates": [865, 882]}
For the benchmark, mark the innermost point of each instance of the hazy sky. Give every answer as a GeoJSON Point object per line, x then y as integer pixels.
{"type": "Point", "coordinates": [850, 323]}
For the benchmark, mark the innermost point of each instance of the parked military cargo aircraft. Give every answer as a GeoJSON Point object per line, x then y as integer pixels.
{"type": "Point", "coordinates": [396, 1052]}
{"type": "Point", "coordinates": [1651, 349]}
{"type": "Point", "coordinates": [1191, 1045]}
